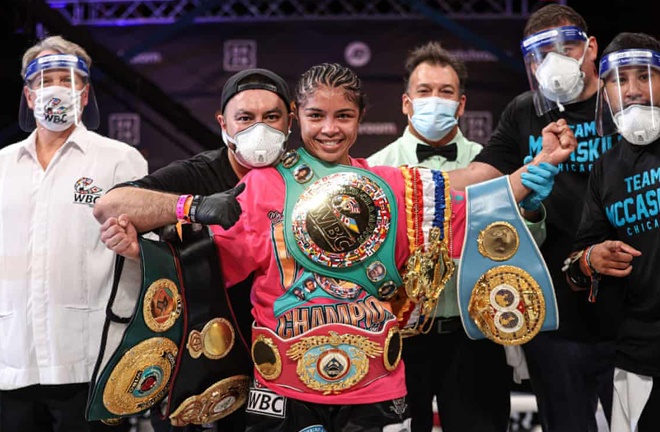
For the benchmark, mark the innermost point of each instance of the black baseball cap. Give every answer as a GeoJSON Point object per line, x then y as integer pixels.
{"type": "Point", "coordinates": [273, 82]}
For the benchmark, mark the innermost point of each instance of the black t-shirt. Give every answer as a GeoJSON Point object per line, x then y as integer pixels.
{"type": "Point", "coordinates": [204, 174]}
{"type": "Point", "coordinates": [623, 203]}
{"type": "Point", "coordinates": [517, 135]}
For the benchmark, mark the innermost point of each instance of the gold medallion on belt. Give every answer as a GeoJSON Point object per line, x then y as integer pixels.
{"type": "Point", "coordinates": [214, 341]}
{"type": "Point", "coordinates": [333, 363]}
{"type": "Point", "coordinates": [141, 377]}
{"type": "Point", "coordinates": [162, 305]}
{"type": "Point", "coordinates": [341, 219]}
{"type": "Point", "coordinates": [266, 357]}
{"type": "Point", "coordinates": [507, 305]}
{"type": "Point", "coordinates": [216, 402]}
{"type": "Point", "coordinates": [499, 241]}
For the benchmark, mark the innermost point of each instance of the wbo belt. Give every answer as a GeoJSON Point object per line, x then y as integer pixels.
{"type": "Point", "coordinates": [340, 222]}
{"type": "Point", "coordinates": [329, 360]}
{"type": "Point", "coordinates": [505, 292]}
{"type": "Point", "coordinates": [182, 340]}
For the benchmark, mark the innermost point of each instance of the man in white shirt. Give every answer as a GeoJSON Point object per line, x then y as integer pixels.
{"type": "Point", "coordinates": [55, 274]}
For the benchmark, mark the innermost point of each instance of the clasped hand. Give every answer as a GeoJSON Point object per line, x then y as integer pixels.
{"type": "Point", "coordinates": [539, 179]}
{"type": "Point", "coordinates": [558, 142]}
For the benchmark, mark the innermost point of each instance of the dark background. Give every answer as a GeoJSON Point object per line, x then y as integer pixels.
{"type": "Point", "coordinates": [164, 100]}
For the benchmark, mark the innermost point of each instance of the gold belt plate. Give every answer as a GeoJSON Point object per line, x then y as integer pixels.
{"type": "Point", "coordinates": [507, 305]}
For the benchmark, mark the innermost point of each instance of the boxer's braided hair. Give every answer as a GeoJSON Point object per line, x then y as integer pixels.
{"type": "Point", "coordinates": [332, 75]}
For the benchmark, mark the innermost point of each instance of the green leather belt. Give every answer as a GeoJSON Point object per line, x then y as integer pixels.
{"type": "Point", "coordinates": [340, 222]}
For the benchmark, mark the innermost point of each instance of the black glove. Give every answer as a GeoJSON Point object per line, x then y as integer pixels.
{"type": "Point", "coordinates": [217, 209]}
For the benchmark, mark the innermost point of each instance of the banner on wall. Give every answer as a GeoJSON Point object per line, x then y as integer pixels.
{"type": "Point", "coordinates": [193, 66]}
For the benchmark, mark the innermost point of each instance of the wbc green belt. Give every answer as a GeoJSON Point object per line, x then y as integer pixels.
{"type": "Point", "coordinates": [139, 371]}
{"type": "Point", "coordinates": [340, 222]}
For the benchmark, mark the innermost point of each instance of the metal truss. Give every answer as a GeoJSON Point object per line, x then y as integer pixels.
{"type": "Point", "coordinates": [134, 12]}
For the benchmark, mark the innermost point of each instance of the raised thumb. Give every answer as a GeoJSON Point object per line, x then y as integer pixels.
{"type": "Point", "coordinates": [237, 190]}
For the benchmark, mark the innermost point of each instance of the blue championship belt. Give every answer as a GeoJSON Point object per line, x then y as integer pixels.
{"type": "Point", "coordinates": [505, 292]}
{"type": "Point", "coordinates": [340, 222]}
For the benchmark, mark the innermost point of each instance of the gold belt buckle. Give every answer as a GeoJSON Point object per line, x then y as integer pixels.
{"type": "Point", "coordinates": [333, 363]}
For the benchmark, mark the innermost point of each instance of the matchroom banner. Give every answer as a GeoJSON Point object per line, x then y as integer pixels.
{"type": "Point", "coordinates": [192, 67]}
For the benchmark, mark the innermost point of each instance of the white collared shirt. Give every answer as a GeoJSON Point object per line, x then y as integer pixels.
{"type": "Point", "coordinates": [55, 273]}
{"type": "Point", "coordinates": [403, 152]}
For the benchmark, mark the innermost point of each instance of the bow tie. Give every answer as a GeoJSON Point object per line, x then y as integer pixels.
{"type": "Point", "coordinates": [449, 152]}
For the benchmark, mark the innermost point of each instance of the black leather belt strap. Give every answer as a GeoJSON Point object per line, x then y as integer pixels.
{"type": "Point", "coordinates": [447, 325]}
{"type": "Point", "coordinates": [205, 298]}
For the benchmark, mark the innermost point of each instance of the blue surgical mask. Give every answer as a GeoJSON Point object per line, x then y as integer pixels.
{"type": "Point", "coordinates": [433, 117]}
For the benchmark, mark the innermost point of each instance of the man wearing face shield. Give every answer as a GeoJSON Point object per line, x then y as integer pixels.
{"type": "Point", "coordinates": [255, 117]}
{"type": "Point", "coordinates": [54, 278]}
{"type": "Point", "coordinates": [56, 91]}
{"type": "Point", "coordinates": [553, 60]}
{"type": "Point", "coordinates": [618, 236]}
{"type": "Point", "coordinates": [570, 369]}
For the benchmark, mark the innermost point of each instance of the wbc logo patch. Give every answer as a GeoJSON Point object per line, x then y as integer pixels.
{"type": "Point", "coordinates": [85, 192]}
{"type": "Point", "coordinates": [266, 402]}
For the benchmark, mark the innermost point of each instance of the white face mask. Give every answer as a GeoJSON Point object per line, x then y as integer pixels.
{"type": "Point", "coordinates": [560, 78]}
{"type": "Point", "coordinates": [57, 108]}
{"type": "Point", "coordinates": [257, 146]}
{"type": "Point", "coordinates": [639, 124]}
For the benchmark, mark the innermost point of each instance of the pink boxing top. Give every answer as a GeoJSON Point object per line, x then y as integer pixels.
{"type": "Point", "coordinates": [295, 308]}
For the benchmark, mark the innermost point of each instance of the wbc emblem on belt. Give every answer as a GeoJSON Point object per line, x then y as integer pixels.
{"type": "Point", "coordinates": [341, 219]}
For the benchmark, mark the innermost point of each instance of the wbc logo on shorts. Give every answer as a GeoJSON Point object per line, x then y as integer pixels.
{"type": "Point", "coordinates": [266, 402]}
{"type": "Point", "coordinates": [85, 192]}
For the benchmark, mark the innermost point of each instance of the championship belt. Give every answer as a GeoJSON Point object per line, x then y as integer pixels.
{"type": "Point", "coordinates": [340, 222]}
{"type": "Point", "coordinates": [329, 359]}
{"type": "Point", "coordinates": [505, 291]}
{"type": "Point", "coordinates": [429, 267]}
{"type": "Point", "coordinates": [181, 341]}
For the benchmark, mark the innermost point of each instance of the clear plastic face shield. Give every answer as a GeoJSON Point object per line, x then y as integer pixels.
{"type": "Point", "coordinates": [57, 94]}
{"type": "Point", "coordinates": [629, 95]}
{"type": "Point", "coordinates": [553, 60]}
